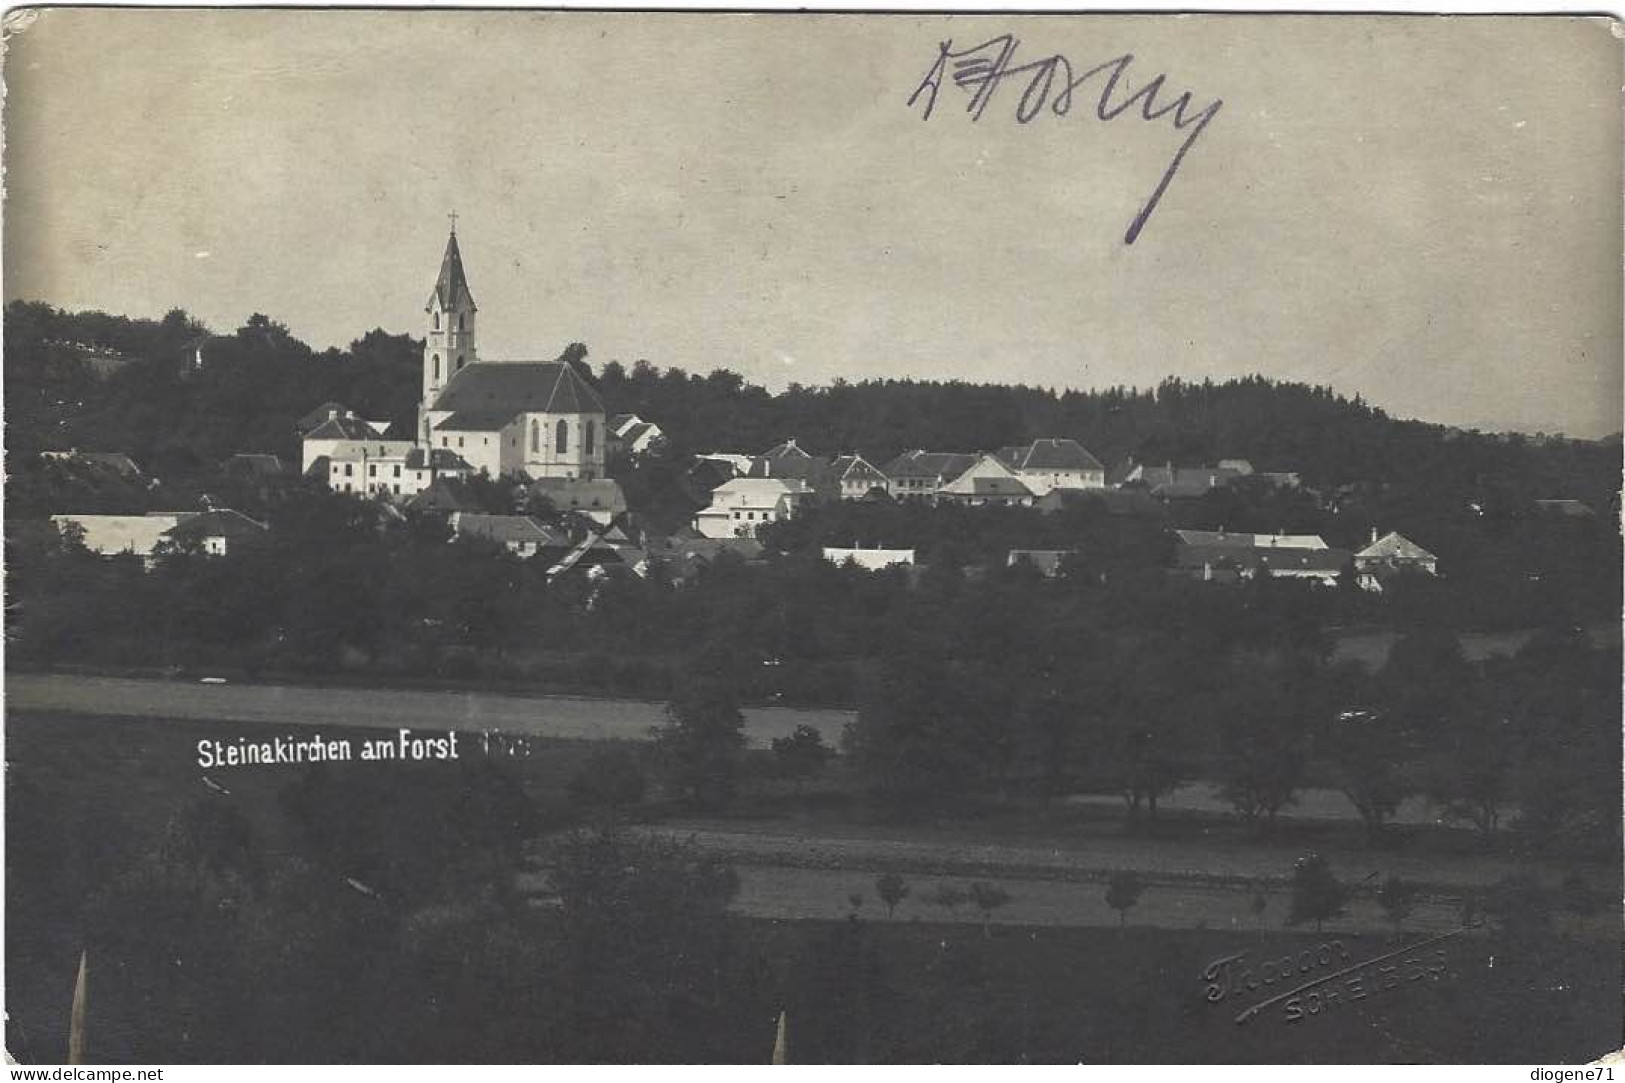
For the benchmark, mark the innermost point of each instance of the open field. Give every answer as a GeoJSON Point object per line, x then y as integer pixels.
{"type": "Point", "coordinates": [543, 716]}
{"type": "Point", "coordinates": [1052, 982]}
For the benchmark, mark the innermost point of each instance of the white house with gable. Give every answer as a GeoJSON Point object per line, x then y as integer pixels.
{"type": "Point", "coordinates": [742, 505]}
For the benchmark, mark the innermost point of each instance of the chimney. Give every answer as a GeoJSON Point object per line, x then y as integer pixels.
{"type": "Point", "coordinates": [1373, 535]}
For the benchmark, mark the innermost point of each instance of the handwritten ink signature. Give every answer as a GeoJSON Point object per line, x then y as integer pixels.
{"type": "Point", "coordinates": [982, 70]}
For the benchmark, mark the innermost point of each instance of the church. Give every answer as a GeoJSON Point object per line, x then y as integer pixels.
{"type": "Point", "coordinates": [540, 419]}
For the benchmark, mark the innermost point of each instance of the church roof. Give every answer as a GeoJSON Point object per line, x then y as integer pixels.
{"type": "Point", "coordinates": [541, 387]}
{"type": "Point", "coordinates": [476, 421]}
{"type": "Point", "coordinates": [451, 288]}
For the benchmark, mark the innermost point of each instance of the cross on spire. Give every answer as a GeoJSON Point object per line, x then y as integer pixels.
{"type": "Point", "coordinates": [453, 217]}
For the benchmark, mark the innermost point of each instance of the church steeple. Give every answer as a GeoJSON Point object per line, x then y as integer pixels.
{"type": "Point", "coordinates": [449, 342]}
{"type": "Point", "coordinates": [451, 289]}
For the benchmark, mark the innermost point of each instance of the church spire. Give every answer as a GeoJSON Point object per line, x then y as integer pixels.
{"type": "Point", "coordinates": [451, 289]}
{"type": "Point", "coordinates": [448, 341]}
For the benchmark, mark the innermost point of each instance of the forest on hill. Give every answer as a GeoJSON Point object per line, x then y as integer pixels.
{"type": "Point", "coordinates": [179, 421]}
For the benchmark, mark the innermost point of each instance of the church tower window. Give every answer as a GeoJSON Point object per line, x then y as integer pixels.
{"type": "Point", "coordinates": [587, 438]}
{"type": "Point", "coordinates": [459, 362]}
{"type": "Point", "coordinates": [535, 437]}
{"type": "Point", "coordinates": [562, 443]}
{"type": "Point", "coordinates": [437, 320]}
{"type": "Point", "coordinates": [459, 321]}
{"type": "Point", "coordinates": [437, 366]}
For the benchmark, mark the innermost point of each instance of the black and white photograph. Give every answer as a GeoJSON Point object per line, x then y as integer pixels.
{"type": "Point", "coordinates": [571, 537]}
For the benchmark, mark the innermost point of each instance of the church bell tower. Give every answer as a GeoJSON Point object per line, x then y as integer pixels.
{"type": "Point", "coordinates": [449, 339]}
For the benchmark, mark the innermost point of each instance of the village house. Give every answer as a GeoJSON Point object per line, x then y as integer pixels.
{"type": "Point", "coordinates": [1390, 555]}
{"type": "Point", "coordinates": [920, 475]}
{"type": "Point", "coordinates": [393, 469]}
{"type": "Point", "coordinates": [1220, 556]}
{"type": "Point", "coordinates": [742, 505]}
{"type": "Point", "coordinates": [987, 482]}
{"type": "Point", "coordinates": [872, 560]}
{"type": "Point", "coordinates": [112, 462]}
{"type": "Point", "coordinates": [600, 500]}
{"type": "Point", "coordinates": [346, 438]}
{"type": "Point", "coordinates": [1050, 464]}
{"type": "Point", "coordinates": [632, 435]}
{"type": "Point", "coordinates": [791, 461]}
{"type": "Point", "coordinates": [685, 558]}
{"type": "Point", "coordinates": [217, 532]}
{"type": "Point", "coordinates": [519, 534]}
{"type": "Point", "coordinates": [851, 477]}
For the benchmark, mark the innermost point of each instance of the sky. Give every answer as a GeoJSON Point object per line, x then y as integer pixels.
{"type": "Point", "coordinates": [1425, 211]}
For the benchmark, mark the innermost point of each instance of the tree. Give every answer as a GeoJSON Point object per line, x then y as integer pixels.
{"type": "Point", "coordinates": [949, 897]}
{"type": "Point", "coordinates": [1316, 893]}
{"type": "Point", "coordinates": [892, 891]}
{"type": "Point", "coordinates": [1123, 892]}
{"type": "Point", "coordinates": [1398, 899]}
{"type": "Point", "coordinates": [988, 898]}
{"type": "Point", "coordinates": [700, 746]}
{"type": "Point", "coordinates": [642, 937]}
{"type": "Point", "coordinates": [1476, 759]}
{"type": "Point", "coordinates": [801, 755]}
{"type": "Point", "coordinates": [1366, 755]}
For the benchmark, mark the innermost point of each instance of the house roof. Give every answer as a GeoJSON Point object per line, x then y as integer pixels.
{"type": "Point", "coordinates": [755, 491]}
{"type": "Point", "coordinates": [219, 523]}
{"type": "Point", "coordinates": [855, 468]}
{"type": "Point", "coordinates": [439, 496]}
{"type": "Point", "coordinates": [603, 494]}
{"type": "Point", "coordinates": [999, 481]}
{"type": "Point", "coordinates": [638, 430]}
{"type": "Point", "coordinates": [451, 288]}
{"type": "Point", "coordinates": [1394, 546]}
{"type": "Point", "coordinates": [322, 413]}
{"type": "Point", "coordinates": [794, 464]}
{"type": "Point", "coordinates": [1329, 561]}
{"type": "Point", "coordinates": [788, 449]}
{"type": "Point", "coordinates": [1049, 454]}
{"type": "Point", "coordinates": [1242, 540]}
{"type": "Point", "coordinates": [440, 458]}
{"type": "Point", "coordinates": [945, 465]}
{"type": "Point", "coordinates": [342, 428]}
{"type": "Point", "coordinates": [539, 387]}
{"type": "Point", "coordinates": [1174, 481]}
{"type": "Point", "coordinates": [257, 463]}
{"type": "Point", "coordinates": [116, 461]}
{"type": "Point", "coordinates": [112, 534]}
{"type": "Point", "coordinates": [873, 560]}
{"type": "Point", "coordinates": [506, 529]}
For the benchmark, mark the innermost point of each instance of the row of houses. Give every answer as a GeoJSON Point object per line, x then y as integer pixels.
{"type": "Point", "coordinates": [1228, 557]}
{"type": "Point", "coordinates": [775, 484]}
